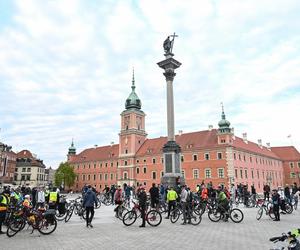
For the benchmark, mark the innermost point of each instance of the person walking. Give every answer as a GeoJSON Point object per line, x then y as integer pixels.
{"type": "Point", "coordinates": [143, 205]}
{"type": "Point", "coordinates": [4, 201]}
{"type": "Point", "coordinates": [171, 199]}
{"type": "Point", "coordinates": [276, 203]}
{"type": "Point", "coordinates": [89, 200]}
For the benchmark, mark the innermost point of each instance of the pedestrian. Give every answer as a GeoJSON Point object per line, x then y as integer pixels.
{"type": "Point", "coordinates": [143, 205]}
{"type": "Point", "coordinates": [266, 192]}
{"type": "Point", "coordinates": [171, 199]}
{"type": "Point", "coordinates": [4, 201]}
{"type": "Point", "coordinates": [118, 199]}
{"type": "Point", "coordinates": [183, 200]}
{"type": "Point", "coordinates": [40, 198]}
{"type": "Point", "coordinates": [154, 196]}
{"type": "Point", "coordinates": [276, 203]}
{"type": "Point", "coordinates": [53, 199]}
{"type": "Point", "coordinates": [89, 200]}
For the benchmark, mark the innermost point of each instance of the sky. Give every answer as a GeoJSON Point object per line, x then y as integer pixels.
{"type": "Point", "coordinates": [66, 69]}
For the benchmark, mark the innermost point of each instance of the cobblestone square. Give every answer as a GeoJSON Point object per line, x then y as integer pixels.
{"type": "Point", "coordinates": [110, 233]}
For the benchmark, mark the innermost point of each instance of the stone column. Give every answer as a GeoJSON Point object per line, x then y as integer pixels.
{"type": "Point", "coordinates": [171, 150]}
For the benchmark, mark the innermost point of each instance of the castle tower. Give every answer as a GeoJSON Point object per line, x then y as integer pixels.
{"type": "Point", "coordinates": [132, 134]}
{"type": "Point", "coordinates": [72, 151]}
{"type": "Point", "coordinates": [224, 131]}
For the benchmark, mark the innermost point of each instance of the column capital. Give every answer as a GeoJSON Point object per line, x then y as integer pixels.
{"type": "Point", "coordinates": [169, 74]}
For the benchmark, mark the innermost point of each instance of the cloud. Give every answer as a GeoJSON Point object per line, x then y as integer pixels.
{"type": "Point", "coordinates": [66, 69]}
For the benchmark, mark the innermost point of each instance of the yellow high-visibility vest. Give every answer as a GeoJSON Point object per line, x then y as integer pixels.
{"type": "Point", "coordinates": [172, 195]}
{"type": "Point", "coordinates": [53, 197]}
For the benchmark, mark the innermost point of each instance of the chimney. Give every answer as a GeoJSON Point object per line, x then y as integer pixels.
{"type": "Point", "coordinates": [180, 132]}
{"type": "Point", "coordinates": [210, 127]}
{"type": "Point", "coordinates": [269, 146]}
{"type": "Point", "coordinates": [245, 138]}
{"type": "Point", "coordinates": [95, 145]}
{"type": "Point", "coordinates": [112, 143]}
{"type": "Point", "coordinates": [259, 142]}
{"type": "Point", "coordinates": [232, 131]}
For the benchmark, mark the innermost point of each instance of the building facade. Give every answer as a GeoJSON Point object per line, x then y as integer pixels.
{"type": "Point", "coordinates": [7, 164]}
{"type": "Point", "coordinates": [291, 163]}
{"type": "Point", "coordinates": [213, 155]}
{"type": "Point", "coordinates": [30, 171]}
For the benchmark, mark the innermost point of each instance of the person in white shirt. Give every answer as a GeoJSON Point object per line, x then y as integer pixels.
{"type": "Point", "coordinates": [40, 198]}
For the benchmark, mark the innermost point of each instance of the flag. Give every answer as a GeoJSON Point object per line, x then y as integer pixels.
{"type": "Point", "coordinates": [289, 136]}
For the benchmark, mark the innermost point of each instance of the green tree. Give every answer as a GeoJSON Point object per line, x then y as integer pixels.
{"type": "Point", "coordinates": [65, 175]}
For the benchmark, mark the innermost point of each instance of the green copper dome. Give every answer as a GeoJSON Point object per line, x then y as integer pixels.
{"type": "Point", "coordinates": [224, 125]}
{"type": "Point", "coordinates": [133, 101]}
{"type": "Point", "coordinates": [72, 149]}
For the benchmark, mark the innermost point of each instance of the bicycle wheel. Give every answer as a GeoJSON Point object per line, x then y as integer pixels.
{"type": "Point", "coordinates": [121, 211]}
{"type": "Point", "coordinates": [174, 216]}
{"type": "Point", "coordinates": [129, 218]}
{"type": "Point", "coordinates": [47, 226]}
{"type": "Point", "coordinates": [271, 213]}
{"type": "Point", "coordinates": [14, 227]}
{"type": "Point", "coordinates": [236, 215]}
{"type": "Point", "coordinates": [214, 215]}
{"type": "Point", "coordinates": [259, 213]}
{"type": "Point", "coordinates": [153, 218]}
{"type": "Point", "coordinates": [98, 203]}
{"type": "Point", "coordinates": [195, 218]}
{"type": "Point", "coordinates": [288, 208]}
{"type": "Point", "coordinates": [60, 217]}
{"type": "Point", "coordinates": [69, 214]}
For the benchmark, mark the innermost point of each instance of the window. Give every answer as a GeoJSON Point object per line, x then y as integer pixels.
{"type": "Point", "coordinates": [239, 157]}
{"type": "Point", "coordinates": [125, 163]}
{"type": "Point", "coordinates": [126, 151]}
{"type": "Point", "coordinates": [111, 164]}
{"type": "Point", "coordinates": [292, 164]}
{"type": "Point", "coordinates": [257, 173]}
{"type": "Point", "coordinates": [145, 160]}
{"type": "Point", "coordinates": [241, 173]}
{"type": "Point", "coordinates": [137, 161]}
{"type": "Point", "coordinates": [250, 159]}
{"type": "Point", "coordinates": [298, 164]}
{"type": "Point", "coordinates": [145, 183]}
{"type": "Point", "coordinates": [23, 178]}
{"type": "Point", "coordinates": [182, 158]}
{"type": "Point", "coordinates": [234, 156]}
{"type": "Point", "coordinates": [23, 169]}
{"type": "Point", "coordinates": [221, 172]}
{"type": "Point", "coordinates": [246, 173]}
{"type": "Point", "coordinates": [162, 160]}
{"type": "Point", "coordinates": [153, 160]}
{"type": "Point", "coordinates": [106, 164]}
{"type": "Point", "coordinates": [137, 170]}
{"type": "Point", "coordinates": [101, 165]}
{"type": "Point", "coordinates": [106, 176]}
{"type": "Point", "coordinates": [183, 173]}
{"type": "Point", "coordinates": [94, 165]}
{"type": "Point", "coordinates": [244, 158]}
{"type": "Point", "coordinates": [223, 141]}
{"type": "Point", "coordinates": [161, 173]}
{"type": "Point", "coordinates": [111, 176]}
{"type": "Point", "coordinates": [195, 173]}
{"type": "Point", "coordinates": [236, 173]}
{"type": "Point", "coordinates": [83, 177]}
{"type": "Point", "coordinates": [219, 156]}
{"type": "Point", "coordinates": [292, 175]}
{"type": "Point", "coordinates": [94, 177]}
{"type": "Point", "coordinates": [125, 175]}
{"type": "Point", "coordinates": [28, 169]}
{"type": "Point", "coordinates": [195, 157]}
{"type": "Point", "coordinates": [100, 177]}
{"type": "Point", "coordinates": [252, 174]}
{"type": "Point", "coordinates": [89, 165]}
{"type": "Point", "coordinates": [206, 156]}
{"type": "Point", "coordinates": [89, 177]}
{"type": "Point", "coordinates": [145, 170]}
{"type": "Point", "coordinates": [28, 177]}
{"type": "Point", "coordinates": [154, 175]}
{"type": "Point", "coordinates": [207, 173]}
{"type": "Point", "coordinates": [263, 173]}
{"type": "Point", "coordinates": [117, 163]}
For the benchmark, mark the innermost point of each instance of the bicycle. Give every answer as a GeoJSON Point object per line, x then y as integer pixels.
{"type": "Point", "coordinates": [293, 243]}
{"type": "Point", "coordinates": [268, 210]}
{"type": "Point", "coordinates": [217, 213]}
{"type": "Point", "coordinates": [153, 217]}
{"type": "Point", "coordinates": [191, 215]}
{"type": "Point", "coordinates": [76, 208]}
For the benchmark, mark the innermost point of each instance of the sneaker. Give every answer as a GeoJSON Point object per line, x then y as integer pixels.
{"type": "Point", "coordinates": [2, 232]}
{"type": "Point", "coordinates": [142, 225]}
{"type": "Point", "coordinates": [183, 223]}
{"type": "Point", "coordinates": [91, 225]}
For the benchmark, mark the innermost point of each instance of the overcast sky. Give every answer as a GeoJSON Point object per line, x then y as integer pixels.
{"type": "Point", "coordinates": [66, 69]}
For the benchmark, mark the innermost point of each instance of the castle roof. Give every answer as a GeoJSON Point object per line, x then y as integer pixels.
{"type": "Point", "coordinates": [289, 153]}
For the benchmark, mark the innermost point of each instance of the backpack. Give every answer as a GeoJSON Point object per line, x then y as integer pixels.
{"type": "Point", "coordinates": [189, 197]}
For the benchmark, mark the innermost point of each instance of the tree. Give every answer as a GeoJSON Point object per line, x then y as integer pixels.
{"type": "Point", "coordinates": [65, 175]}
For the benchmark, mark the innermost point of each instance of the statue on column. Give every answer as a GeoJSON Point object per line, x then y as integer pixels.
{"type": "Point", "coordinates": [168, 44]}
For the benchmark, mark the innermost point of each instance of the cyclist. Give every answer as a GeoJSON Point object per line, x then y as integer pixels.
{"type": "Point", "coordinates": [118, 199]}
{"type": "Point", "coordinates": [276, 203]}
{"type": "Point", "coordinates": [4, 201]}
{"type": "Point", "coordinates": [171, 199]}
{"type": "Point", "coordinates": [223, 203]}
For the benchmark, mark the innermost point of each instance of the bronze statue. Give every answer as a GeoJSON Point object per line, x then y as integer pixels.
{"type": "Point", "coordinates": [168, 44]}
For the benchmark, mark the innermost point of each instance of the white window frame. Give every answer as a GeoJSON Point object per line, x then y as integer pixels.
{"type": "Point", "coordinates": [205, 173]}
{"type": "Point", "coordinates": [223, 174]}
{"type": "Point", "coordinates": [195, 173]}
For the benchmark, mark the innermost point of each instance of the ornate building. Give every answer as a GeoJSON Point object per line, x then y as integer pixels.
{"type": "Point", "coordinates": [215, 155]}
{"type": "Point", "coordinates": [7, 164]}
{"type": "Point", "coordinates": [30, 171]}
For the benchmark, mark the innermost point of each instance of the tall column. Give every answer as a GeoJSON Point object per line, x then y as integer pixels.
{"type": "Point", "coordinates": [171, 150]}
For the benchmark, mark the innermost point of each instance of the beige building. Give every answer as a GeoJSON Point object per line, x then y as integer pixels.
{"type": "Point", "coordinates": [30, 171]}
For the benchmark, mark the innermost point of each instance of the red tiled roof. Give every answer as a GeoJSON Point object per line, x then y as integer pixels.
{"type": "Point", "coordinates": [206, 139]}
{"type": "Point", "coordinates": [287, 153]}
{"type": "Point", "coordinates": [253, 147]}
{"type": "Point", "coordinates": [25, 154]}
{"type": "Point", "coordinates": [98, 153]}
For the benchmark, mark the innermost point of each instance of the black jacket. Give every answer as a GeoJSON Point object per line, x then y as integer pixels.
{"type": "Point", "coordinates": [142, 199]}
{"type": "Point", "coordinates": [154, 193]}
